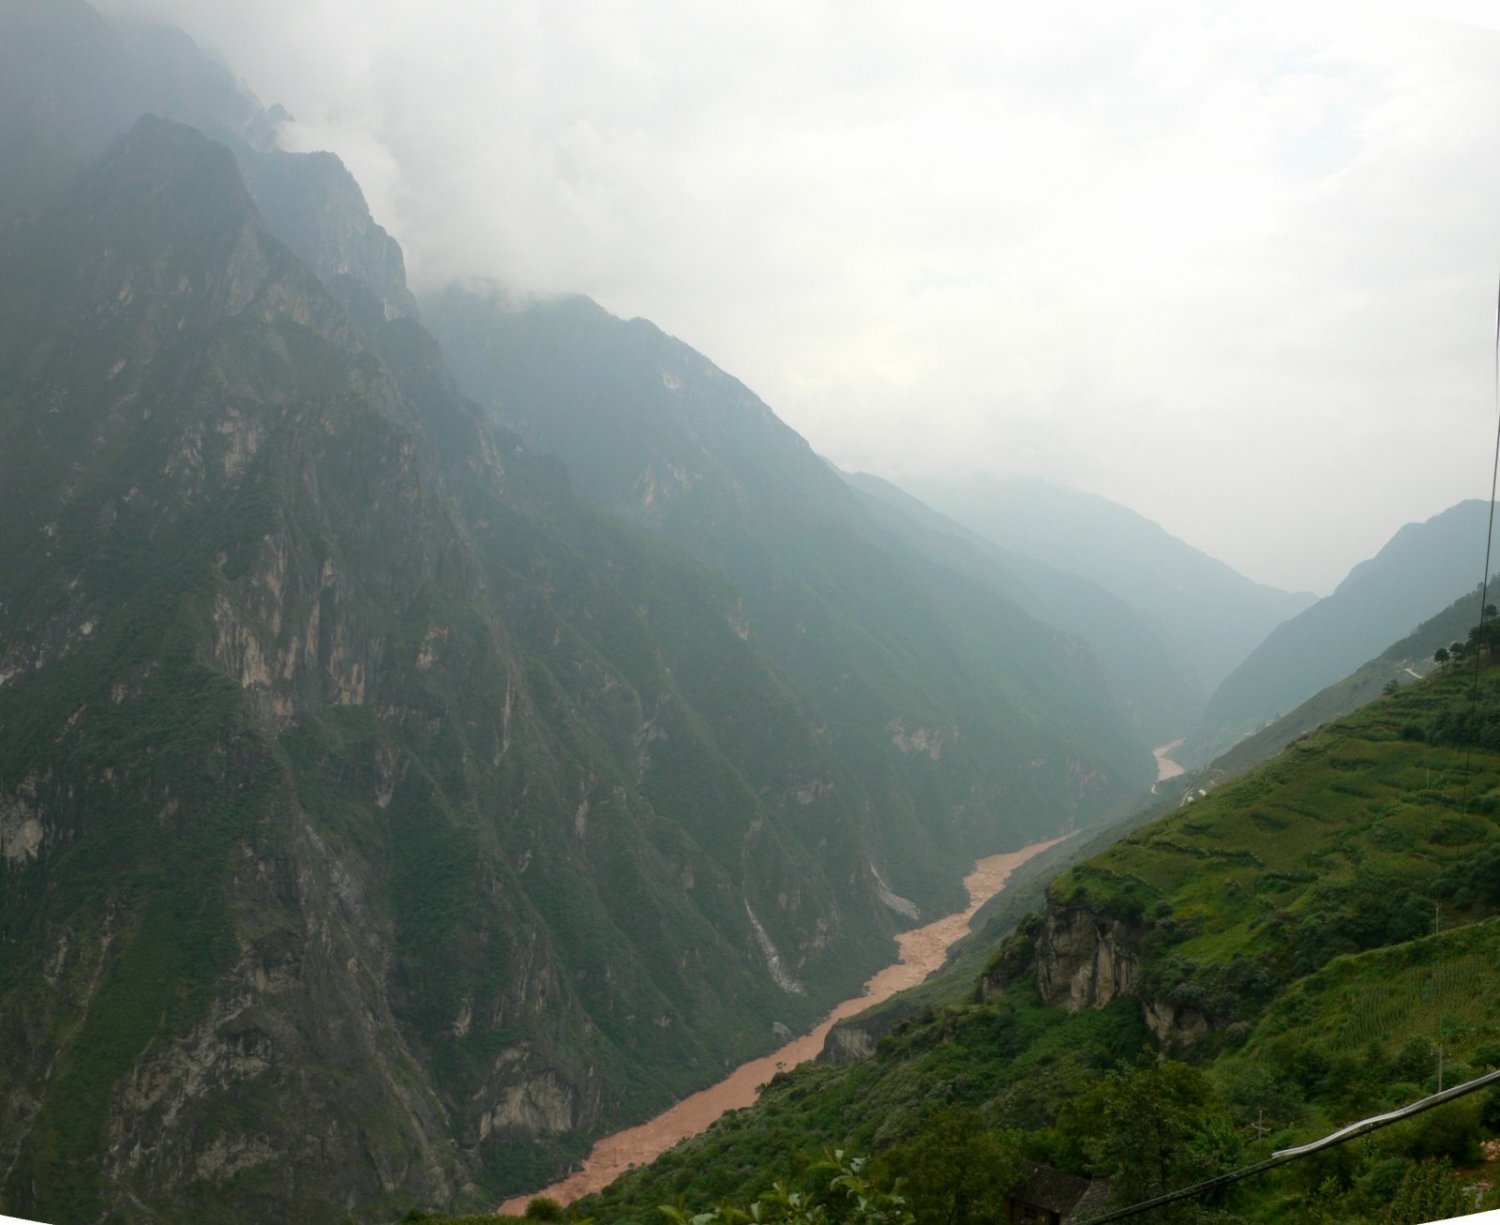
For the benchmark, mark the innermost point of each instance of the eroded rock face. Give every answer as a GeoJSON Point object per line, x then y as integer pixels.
{"type": "Point", "coordinates": [847, 1044]}
{"type": "Point", "coordinates": [21, 829]}
{"type": "Point", "coordinates": [1172, 1025]}
{"type": "Point", "coordinates": [539, 1105]}
{"type": "Point", "coordinates": [1084, 959]}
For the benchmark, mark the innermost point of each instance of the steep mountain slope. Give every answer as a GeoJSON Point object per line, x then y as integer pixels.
{"type": "Point", "coordinates": [1420, 569]}
{"type": "Point", "coordinates": [71, 81]}
{"type": "Point", "coordinates": [378, 822]}
{"type": "Point", "coordinates": [1400, 663]}
{"type": "Point", "coordinates": [1002, 724]}
{"type": "Point", "coordinates": [311, 203]}
{"type": "Point", "coordinates": [1146, 677]}
{"type": "Point", "coordinates": [1273, 943]}
{"type": "Point", "coordinates": [1205, 610]}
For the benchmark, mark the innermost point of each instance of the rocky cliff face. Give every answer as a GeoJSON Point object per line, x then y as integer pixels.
{"type": "Point", "coordinates": [1085, 959]}
{"type": "Point", "coordinates": [312, 203]}
{"type": "Point", "coordinates": [1175, 1025]}
{"type": "Point", "coordinates": [378, 822]}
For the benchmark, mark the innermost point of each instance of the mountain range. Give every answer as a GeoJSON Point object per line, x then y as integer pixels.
{"type": "Point", "coordinates": [436, 730]}
{"type": "Point", "coordinates": [380, 819]}
{"type": "Point", "coordinates": [1417, 573]}
{"type": "Point", "coordinates": [1211, 614]}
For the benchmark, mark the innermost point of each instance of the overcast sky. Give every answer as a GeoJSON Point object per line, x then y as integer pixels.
{"type": "Point", "coordinates": [1233, 265]}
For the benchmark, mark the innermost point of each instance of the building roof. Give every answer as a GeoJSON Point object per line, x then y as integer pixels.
{"type": "Point", "coordinates": [1071, 1196]}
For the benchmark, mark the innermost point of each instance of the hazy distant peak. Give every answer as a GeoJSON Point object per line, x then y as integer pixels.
{"type": "Point", "coordinates": [1466, 519]}
{"type": "Point", "coordinates": [193, 84]}
{"type": "Point", "coordinates": [160, 161]}
{"type": "Point", "coordinates": [499, 296]}
{"type": "Point", "coordinates": [1418, 572]}
{"type": "Point", "coordinates": [312, 203]}
{"type": "Point", "coordinates": [1212, 613]}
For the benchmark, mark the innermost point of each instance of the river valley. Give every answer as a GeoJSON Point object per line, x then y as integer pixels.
{"type": "Point", "coordinates": [922, 950]}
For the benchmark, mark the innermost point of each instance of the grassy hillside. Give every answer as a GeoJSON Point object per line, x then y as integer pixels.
{"type": "Point", "coordinates": [1286, 968]}
{"type": "Point", "coordinates": [1400, 663]}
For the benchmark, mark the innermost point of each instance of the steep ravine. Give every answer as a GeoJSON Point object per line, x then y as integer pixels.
{"type": "Point", "coordinates": [922, 950]}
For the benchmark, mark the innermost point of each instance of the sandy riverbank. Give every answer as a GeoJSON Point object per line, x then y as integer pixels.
{"type": "Point", "coordinates": [922, 951]}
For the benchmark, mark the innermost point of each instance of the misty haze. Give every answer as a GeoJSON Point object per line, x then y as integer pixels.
{"type": "Point", "coordinates": [714, 614]}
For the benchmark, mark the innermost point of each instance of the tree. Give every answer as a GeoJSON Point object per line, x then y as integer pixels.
{"type": "Point", "coordinates": [1153, 1129]}
{"type": "Point", "coordinates": [1429, 1192]}
{"type": "Point", "coordinates": [852, 1198]}
{"type": "Point", "coordinates": [1441, 655]}
{"type": "Point", "coordinates": [956, 1171]}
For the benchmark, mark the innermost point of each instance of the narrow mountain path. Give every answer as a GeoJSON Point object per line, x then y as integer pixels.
{"type": "Point", "coordinates": [922, 950]}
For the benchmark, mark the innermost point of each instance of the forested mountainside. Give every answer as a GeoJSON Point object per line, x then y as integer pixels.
{"type": "Point", "coordinates": [1149, 679]}
{"type": "Point", "coordinates": [884, 642]}
{"type": "Point", "coordinates": [379, 820]}
{"type": "Point", "coordinates": [1210, 614]}
{"type": "Point", "coordinates": [1418, 572]}
{"type": "Point", "coordinates": [364, 826]}
{"type": "Point", "coordinates": [1312, 943]}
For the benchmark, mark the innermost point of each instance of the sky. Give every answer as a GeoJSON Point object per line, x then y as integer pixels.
{"type": "Point", "coordinates": [1231, 264]}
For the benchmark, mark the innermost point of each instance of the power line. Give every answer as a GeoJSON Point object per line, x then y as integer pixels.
{"type": "Point", "coordinates": [1484, 578]}
{"type": "Point", "coordinates": [1342, 1136]}
{"type": "Point", "coordinates": [1489, 535]}
{"type": "Point", "coordinates": [1375, 1122]}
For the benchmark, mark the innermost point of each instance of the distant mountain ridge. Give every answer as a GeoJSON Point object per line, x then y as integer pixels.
{"type": "Point", "coordinates": [1157, 691]}
{"type": "Point", "coordinates": [378, 819]}
{"type": "Point", "coordinates": [1418, 572]}
{"type": "Point", "coordinates": [1209, 612]}
{"type": "Point", "coordinates": [1401, 663]}
{"type": "Point", "coordinates": [652, 431]}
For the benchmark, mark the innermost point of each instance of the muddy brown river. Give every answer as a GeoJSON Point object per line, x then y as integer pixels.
{"type": "Point", "coordinates": [1165, 767]}
{"type": "Point", "coordinates": [922, 950]}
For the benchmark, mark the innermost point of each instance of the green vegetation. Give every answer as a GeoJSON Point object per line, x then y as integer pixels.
{"type": "Point", "coordinates": [997, 720]}
{"type": "Point", "coordinates": [377, 814]}
{"type": "Point", "coordinates": [1284, 931]}
{"type": "Point", "coordinates": [381, 821]}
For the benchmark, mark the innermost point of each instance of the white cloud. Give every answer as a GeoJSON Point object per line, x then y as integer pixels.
{"type": "Point", "coordinates": [1230, 264]}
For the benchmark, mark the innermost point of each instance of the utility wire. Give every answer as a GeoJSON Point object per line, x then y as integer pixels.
{"type": "Point", "coordinates": [1342, 1136]}
{"type": "Point", "coordinates": [1484, 578]}
{"type": "Point", "coordinates": [1374, 1122]}
{"type": "Point", "coordinates": [1489, 536]}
